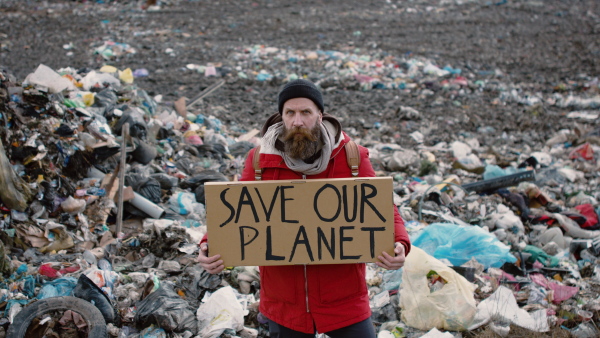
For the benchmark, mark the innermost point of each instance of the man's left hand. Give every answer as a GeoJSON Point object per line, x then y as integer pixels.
{"type": "Point", "coordinates": [393, 263]}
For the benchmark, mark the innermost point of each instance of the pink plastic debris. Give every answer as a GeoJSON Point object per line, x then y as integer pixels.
{"type": "Point", "coordinates": [562, 292]}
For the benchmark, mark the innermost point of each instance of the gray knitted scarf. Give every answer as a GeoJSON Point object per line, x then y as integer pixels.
{"type": "Point", "coordinates": [298, 165]}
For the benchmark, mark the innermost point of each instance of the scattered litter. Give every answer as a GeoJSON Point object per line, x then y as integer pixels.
{"type": "Point", "coordinates": [520, 238]}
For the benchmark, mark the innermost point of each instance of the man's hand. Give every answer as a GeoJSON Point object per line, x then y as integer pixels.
{"type": "Point", "coordinates": [211, 264]}
{"type": "Point", "coordinates": [393, 263]}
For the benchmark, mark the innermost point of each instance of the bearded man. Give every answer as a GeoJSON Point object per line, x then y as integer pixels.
{"type": "Point", "coordinates": [301, 141]}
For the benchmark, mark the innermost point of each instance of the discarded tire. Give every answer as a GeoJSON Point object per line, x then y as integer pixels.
{"type": "Point", "coordinates": [91, 314]}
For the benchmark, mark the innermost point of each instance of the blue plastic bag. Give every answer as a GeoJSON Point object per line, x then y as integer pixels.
{"type": "Point", "coordinates": [182, 202]}
{"type": "Point", "coordinates": [494, 171]}
{"type": "Point", "coordinates": [459, 244]}
{"type": "Point", "coordinates": [153, 332]}
{"type": "Point", "coordinates": [391, 279]}
{"type": "Point", "coordinates": [12, 302]}
{"type": "Point", "coordinates": [28, 286]}
{"type": "Point", "coordinates": [58, 288]}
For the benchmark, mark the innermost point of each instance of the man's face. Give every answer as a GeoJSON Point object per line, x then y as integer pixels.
{"type": "Point", "coordinates": [301, 120]}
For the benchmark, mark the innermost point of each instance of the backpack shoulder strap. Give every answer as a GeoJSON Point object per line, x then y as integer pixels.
{"type": "Point", "coordinates": [353, 157]}
{"type": "Point", "coordinates": [256, 164]}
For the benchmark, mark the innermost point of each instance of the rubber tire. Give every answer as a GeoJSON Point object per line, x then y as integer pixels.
{"type": "Point", "coordinates": [89, 312]}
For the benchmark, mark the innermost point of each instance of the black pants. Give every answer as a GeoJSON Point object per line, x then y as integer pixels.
{"type": "Point", "coordinates": [362, 329]}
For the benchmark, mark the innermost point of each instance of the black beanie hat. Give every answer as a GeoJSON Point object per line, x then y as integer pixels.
{"type": "Point", "coordinates": [300, 88]}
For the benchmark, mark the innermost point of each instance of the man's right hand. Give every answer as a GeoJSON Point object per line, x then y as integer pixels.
{"type": "Point", "coordinates": [211, 264]}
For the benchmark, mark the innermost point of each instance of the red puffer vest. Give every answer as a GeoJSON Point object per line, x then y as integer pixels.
{"type": "Point", "coordinates": [328, 297]}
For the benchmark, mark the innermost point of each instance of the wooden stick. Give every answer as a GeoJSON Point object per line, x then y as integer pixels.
{"type": "Point", "coordinates": [206, 92]}
{"type": "Point", "coordinates": [113, 178]}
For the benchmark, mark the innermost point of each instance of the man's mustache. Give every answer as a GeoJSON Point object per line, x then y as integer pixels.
{"type": "Point", "coordinates": [306, 133]}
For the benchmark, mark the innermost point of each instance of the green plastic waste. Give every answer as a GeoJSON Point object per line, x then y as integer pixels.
{"type": "Point", "coordinates": [541, 256]}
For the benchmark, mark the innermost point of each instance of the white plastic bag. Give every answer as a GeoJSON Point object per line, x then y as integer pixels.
{"type": "Point", "coordinates": [94, 78]}
{"type": "Point", "coordinates": [460, 149]}
{"type": "Point", "coordinates": [221, 311]}
{"type": "Point", "coordinates": [435, 333]}
{"type": "Point", "coordinates": [450, 308]}
{"type": "Point", "coordinates": [182, 202]}
{"type": "Point", "coordinates": [502, 307]}
{"type": "Point", "coordinates": [47, 77]}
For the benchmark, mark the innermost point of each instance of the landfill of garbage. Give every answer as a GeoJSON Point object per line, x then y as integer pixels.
{"type": "Point", "coordinates": [102, 191]}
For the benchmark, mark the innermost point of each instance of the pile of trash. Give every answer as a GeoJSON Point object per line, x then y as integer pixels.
{"type": "Point", "coordinates": [102, 195]}
{"type": "Point", "coordinates": [75, 147]}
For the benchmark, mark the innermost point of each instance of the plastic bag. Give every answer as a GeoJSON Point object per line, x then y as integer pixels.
{"type": "Point", "coordinates": [95, 79]}
{"type": "Point", "coordinates": [167, 182]}
{"type": "Point", "coordinates": [561, 292]}
{"type": "Point", "coordinates": [153, 332]}
{"type": "Point", "coordinates": [460, 149]}
{"type": "Point", "coordinates": [58, 288]}
{"type": "Point", "coordinates": [47, 77]}
{"type": "Point", "coordinates": [502, 307]}
{"type": "Point", "coordinates": [391, 279]}
{"type": "Point", "coordinates": [584, 151]}
{"type": "Point", "coordinates": [57, 270]}
{"type": "Point", "coordinates": [126, 76]}
{"type": "Point", "coordinates": [493, 171]}
{"type": "Point", "coordinates": [403, 159]}
{"type": "Point", "coordinates": [459, 244]}
{"type": "Point", "coordinates": [203, 177]}
{"type": "Point", "coordinates": [451, 308]}
{"type": "Point", "coordinates": [241, 148]}
{"type": "Point", "coordinates": [197, 181]}
{"type": "Point", "coordinates": [220, 312]}
{"type": "Point", "coordinates": [144, 100]}
{"type": "Point", "coordinates": [137, 125]}
{"type": "Point", "coordinates": [144, 152]}
{"type": "Point", "coordinates": [14, 192]}
{"type": "Point", "coordinates": [539, 255]}
{"type": "Point", "coordinates": [87, 290]}
{"type": "Point", "coordinates": [182, 202]}
{"type": "Point", "coordinates": [167, 310]}
{"type": "Point", "coordinates": [5, 263]}
{"type": "Point", "coordinates": [148, 187]}
{"type": "Point", "coordinates": [107, 99]}
{"type": "Point", "coordinates": [580, 199]}
{"type": "Point", "coordinates": [73, 206]}
{"type": "Point", "coordinates": [587, 210]}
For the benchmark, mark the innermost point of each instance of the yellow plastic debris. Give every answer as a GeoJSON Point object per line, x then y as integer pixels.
{"type": "Point", "coordinates": [88, 98]}
{"type": "Point", "coordinates": [126, 76]}
{"type": "Point", "coordinates": [108, 69]}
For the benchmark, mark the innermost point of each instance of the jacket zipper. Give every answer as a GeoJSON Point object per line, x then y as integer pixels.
{"type": "Point", "coordinates": [306, 288]}
{"type": "Point", "coordinates": [305, 276]}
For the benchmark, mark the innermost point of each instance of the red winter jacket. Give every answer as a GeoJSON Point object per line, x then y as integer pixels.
{"type": "Point", "coordinates": [328, 297]}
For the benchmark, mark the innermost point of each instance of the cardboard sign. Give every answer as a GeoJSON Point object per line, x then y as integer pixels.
{"type": "Point", "coordinates": [325, 221]}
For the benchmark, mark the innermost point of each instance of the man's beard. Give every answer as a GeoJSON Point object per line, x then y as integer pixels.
{"type": "Point", "coordinates": [301, 143]}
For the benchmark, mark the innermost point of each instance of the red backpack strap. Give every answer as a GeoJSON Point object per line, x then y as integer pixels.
{"type": "Point", "coordinates": [353, 157]}
{"type": "Point", "coordinates": [256, 164]}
